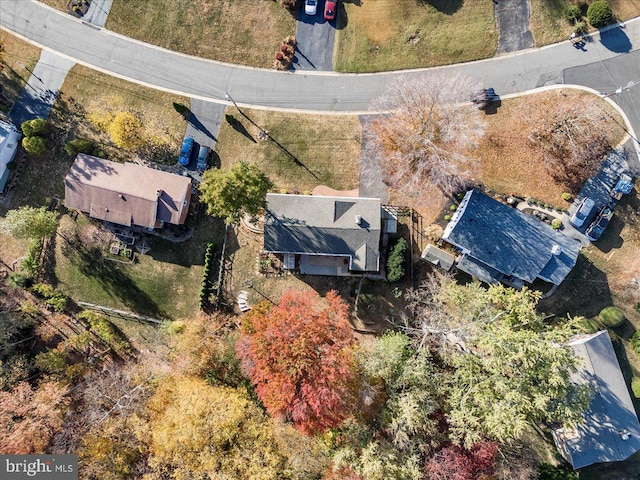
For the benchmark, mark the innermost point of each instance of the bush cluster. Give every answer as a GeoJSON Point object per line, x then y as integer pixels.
{"type": "Point", "coordinates": [285, 55]}
{"type": "Point", "coordinates": [635, 386]}
{"type": "Point", "coordinates": [599, 13]}
{"type": "Point", "coordinates": [635, 342]}
{"type": "Point", "coordinates": [104, 329]}
{"type": "Point", "coordinates": [31, 262]}
{"type": "Point", "coordinates": [611, 317]}
{"type": "Point", "coordinates": [35, 133]}
{"type": "Point", "coordinates": [573, 13]}
{"type": "Point", "coordinates": [205, 289]}
{"type": "Point", "coordinates": [395, 264]}
{"type": "Point", "coordinates": [53, 299]}
{"type": "Point", "coordinates": [80, 145]}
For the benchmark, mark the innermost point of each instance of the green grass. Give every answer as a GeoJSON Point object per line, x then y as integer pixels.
{"type": "Point", "coordinates": [399, 34]}
{"type": "Point", "coordinates": [162, 284]}
{"type": "Point", "coordinates": [246, 32]}
{"type": "Point", "coordinates": [323, 149]}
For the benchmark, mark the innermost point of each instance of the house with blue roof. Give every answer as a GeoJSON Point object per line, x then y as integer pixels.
{"type": "Point", "coordinates": [499, 244]}
{"type": "Point", "coordinates": [9, 140]}
{"type": "Point", "coordinates": [610, 431]}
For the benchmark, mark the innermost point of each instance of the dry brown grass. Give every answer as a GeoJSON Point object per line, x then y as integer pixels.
{"type": "Point", "coordinates": [548, 24]}
{"type": "Point", "coordinates": [378, 35]}
{"type": "Point", "coordinates": [242, 31]}
{"type": "Point", "coordinates": [509, 164]}
{"type": "Point", "coordinates": [17, 59]}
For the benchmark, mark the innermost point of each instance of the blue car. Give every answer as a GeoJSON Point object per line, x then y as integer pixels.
{"type": "Point", "coordinates": [185, 151]}
{"type": "Point", "coordinates": [599, 224]}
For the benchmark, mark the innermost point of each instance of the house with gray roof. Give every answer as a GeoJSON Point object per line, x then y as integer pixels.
{"type": "Point", "coordinates": [498, 243]}
{"type": "Point", "coordinates": [610, 431]}
{"type": "Point", "coordinates": [9, 140]}
{"type": "Point", "coordinates": [322, 235]}
{"type": "Point", "coordinates": [127, 194]}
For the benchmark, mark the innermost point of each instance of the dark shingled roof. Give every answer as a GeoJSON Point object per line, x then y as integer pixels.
{"type": "Point", "coordinates": [312, 224]}
{"type": "Point", "coordinates": [494, 237]}
{"type": "Point", "coordinates": [610, 431]}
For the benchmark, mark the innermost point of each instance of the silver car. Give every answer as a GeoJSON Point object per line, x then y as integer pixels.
{"type": "Point", "coordinates": [584, 209]}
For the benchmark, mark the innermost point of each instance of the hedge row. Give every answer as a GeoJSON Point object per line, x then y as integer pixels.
{"type": "Point", "coordinates": [205, 288]}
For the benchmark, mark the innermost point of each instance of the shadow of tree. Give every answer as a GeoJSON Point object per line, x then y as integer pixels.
{"type": "Point", "coordinates": [238, 126]}
{"type": "Point", "coordinates": [90, 262]}
{"type": "Point", "coordinates": [448, 7]}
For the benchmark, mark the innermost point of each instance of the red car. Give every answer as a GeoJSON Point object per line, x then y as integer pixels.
{"type": "Point", "coordinates": [330, 9]}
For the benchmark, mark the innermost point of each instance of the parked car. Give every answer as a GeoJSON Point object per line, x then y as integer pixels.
{"type": "Point", "coordinates": [600, 223]}
{"type": "Point", "coordinates": [582, 212]}
{"type": "Point", "coordinates": [203, 158]}
{"type": "Point", "coordinates": [484, 97]}
{"type": "Point", "coordinates": [330, 9]}
{"type": "Point", "coordinates": [310, 7]}
{"type": "Point", "coordinates": [185, 151]}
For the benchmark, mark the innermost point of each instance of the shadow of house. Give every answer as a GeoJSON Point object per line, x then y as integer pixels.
{"type": "Point", "coordinates": [127, 194]}
{"type": "Point", "coordinates": [497, 243]}
{"type": "Point", "coordinates": [319, 235]}
{"type": "Point", "coordinates": [610, 431]}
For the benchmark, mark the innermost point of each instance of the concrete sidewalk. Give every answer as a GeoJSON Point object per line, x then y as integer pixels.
{"type": "Point", "coordinates": [42, 89]}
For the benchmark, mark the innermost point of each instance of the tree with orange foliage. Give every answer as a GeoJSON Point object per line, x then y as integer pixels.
{"type": "Point", "coordinates": [29, 418]}
{"type": "Point", "coordinates": [299, 356]}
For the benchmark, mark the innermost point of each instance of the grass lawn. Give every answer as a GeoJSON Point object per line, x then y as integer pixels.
{"type": "Point", "coordinates": [378, 35]}
{"type": "Point", "coordinates": [241, 31]}
{"type": "Point", "coordinates": [18, 58]}
{"type": "Point", "coordinates": [162, 284]}
{"type": "Point", "coordinates": [323, 149]}
{"type": "Point", "coordinates": [508, 164]}
{"type": "Point", "coordinates": [549, 25]}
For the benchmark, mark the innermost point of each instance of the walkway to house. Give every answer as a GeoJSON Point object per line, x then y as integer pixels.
{"type": "Point", "coordinates": [512, 19]}
{"type": "Point", "coordinates": [41, 91]}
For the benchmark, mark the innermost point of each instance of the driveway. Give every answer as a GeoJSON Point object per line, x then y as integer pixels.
{"type": "Point", "coordinates": [512, 18]}
{"type": "Point", "coordinates": [41, 91]}
{"type": "Point", "coordinates": [315, 38]}
{"type": "Point", "coordinates": [608, 75]}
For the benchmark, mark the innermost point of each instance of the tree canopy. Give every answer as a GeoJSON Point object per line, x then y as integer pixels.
{"type": "Point", "coordinates": [234, 193]}
{"type": "Point", "coordinates": [29, 223]}
{"type": "Point", "coordinates": [425, 135]}
{"type": "Point", "coordinates": [510, 368]}
{"type": "Point", "coordinates": [197, 429]}
{"type": "Point", "coordinates": [299, 356]}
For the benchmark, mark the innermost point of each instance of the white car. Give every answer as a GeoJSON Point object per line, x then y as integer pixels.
{"type": "Point", "coordinates": [310, 7]}
{"type": "Point", "coordinates": [584, 209]}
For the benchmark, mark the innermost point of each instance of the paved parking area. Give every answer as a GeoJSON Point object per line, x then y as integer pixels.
{"type": "Point", "coordinates": [315, 38]}
{"type": "Point", "coordinates": [598, 187]}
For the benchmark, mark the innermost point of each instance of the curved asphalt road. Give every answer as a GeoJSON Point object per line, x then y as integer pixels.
{"type": "Point", "coordinates": [310, 91]}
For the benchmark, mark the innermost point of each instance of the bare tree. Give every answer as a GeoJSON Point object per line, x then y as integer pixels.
{"type": "Point", "coordinates": [425, 135]}
{"type": "Point", "coordinates": [573, 137]}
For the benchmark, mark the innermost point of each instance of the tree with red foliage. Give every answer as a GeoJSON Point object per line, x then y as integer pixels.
{"type": "Point", "coordinates": [455, 463]}
{"type": "Point", "coordinates": [299, 356]}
